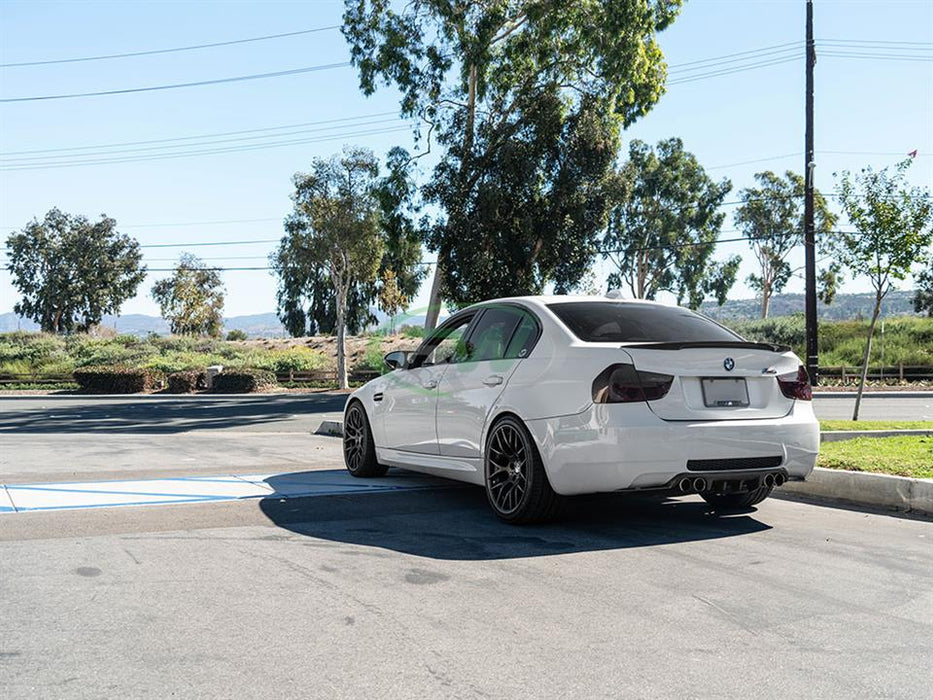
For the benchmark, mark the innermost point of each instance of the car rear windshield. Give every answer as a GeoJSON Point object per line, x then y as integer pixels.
{"type": "Point", "coordinates": [618, 322]}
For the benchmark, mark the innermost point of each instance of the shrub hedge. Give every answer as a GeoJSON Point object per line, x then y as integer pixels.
{"type": "Point", "coordinates": [185, 382]}
{"type": "Point", "coordinates": [117, 380]}
{"type": "Point", "coordinates": [243, 381]}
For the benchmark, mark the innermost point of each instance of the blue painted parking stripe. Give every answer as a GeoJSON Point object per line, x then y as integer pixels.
{"type": "Point", "coordinates": [115, 492]}
{"type": "Point", "coordinates": [82, 506]}
{"type": "Point", "coordinates": [294, 485]}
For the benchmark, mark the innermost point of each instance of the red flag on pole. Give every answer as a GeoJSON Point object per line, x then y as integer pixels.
{"type": "Point", "coordinates": [913, 153]}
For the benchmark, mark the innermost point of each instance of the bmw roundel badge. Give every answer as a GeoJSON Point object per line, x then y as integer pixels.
{"type": "Point", "coordinates": [729, 364]}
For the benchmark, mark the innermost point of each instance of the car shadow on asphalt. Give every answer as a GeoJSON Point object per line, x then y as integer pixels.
{"type": "Point", "coordinates": [456, 523]}
{"type": "Point", "coordinates": [143, 416]}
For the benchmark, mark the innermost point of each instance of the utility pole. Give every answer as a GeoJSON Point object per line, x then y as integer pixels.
{"type": "Point", "coordinates": [809, 237]}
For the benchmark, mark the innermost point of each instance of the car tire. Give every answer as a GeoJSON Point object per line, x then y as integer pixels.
{"type": "Point", "coordinates": [359, 450]}
{"type": "Point", "coordinates": [517, 486]}
{"type": "Point", "coordinates": [738, 501]}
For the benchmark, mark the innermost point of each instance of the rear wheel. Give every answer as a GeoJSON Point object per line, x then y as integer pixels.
{"type": "Point", "coordinates": [516, 484]}
{"type": "Point", "coordinates": [359, 451]}
{"type": "Point", "coordinates": [738, 501]}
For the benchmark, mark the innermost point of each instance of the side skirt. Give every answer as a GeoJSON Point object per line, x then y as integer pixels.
{"type": "Point", "coordinates": [458, 468]}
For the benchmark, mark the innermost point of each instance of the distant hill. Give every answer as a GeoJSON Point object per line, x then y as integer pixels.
{"type": "Point", "coordinates": [255, 325]}
{"type": "Point", "coordinates": [845, 307]}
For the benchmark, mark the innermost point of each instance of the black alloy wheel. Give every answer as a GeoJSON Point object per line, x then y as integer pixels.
{"type": "Point", "coordinates": [516, 484]}
{"type": "Point", "coordinates": [359, 451]}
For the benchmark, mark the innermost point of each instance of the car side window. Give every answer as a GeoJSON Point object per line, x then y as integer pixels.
{"type": "Point", "coordinates": [491, 334]}
{"type": "Point", "coordinates": [443, 344]}
{"type": "Point", "coordinates": [524, 338]}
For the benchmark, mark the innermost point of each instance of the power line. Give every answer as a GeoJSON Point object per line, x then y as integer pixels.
{"type": "Point", "coordinates": [737, 69]}
{"type": "Point", "coordinates": [678, 66]}
{"type": "Point", "coordinates": [172, 50]}
{"type": "Point", "coordinates": [28, 160]}
{"type": "Point", "coordinates": [374, 115]}
{"type": "Point", "coordinates": [210, 243]}
{"type": "Point", "coordinates": [745, 60]}
{"type": "Point", "coordinates": [186, 154]}
{"type": "Point", "coordinates": [174, 86]}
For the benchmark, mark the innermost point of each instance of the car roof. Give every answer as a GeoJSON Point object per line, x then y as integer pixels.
{"type": "Point", "coordinates": [548, 299]}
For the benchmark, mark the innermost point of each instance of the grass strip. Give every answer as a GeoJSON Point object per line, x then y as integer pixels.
{"type": "Point", "coordinates": [833, 425]}
{"type": "Point", "coordinates": [900, 456]}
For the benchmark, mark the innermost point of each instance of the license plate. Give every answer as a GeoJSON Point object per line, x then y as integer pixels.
{"type": "Point", "coordinates": [724, 393]}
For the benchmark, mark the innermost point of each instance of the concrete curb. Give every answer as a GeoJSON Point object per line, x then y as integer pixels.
{"type": "Point", "coordinates": [838, 435]}
{"type": "Point", "coordinates": [873, 395]}
{"type": "Point", "coordinates": [864, 488]}
{"type": "Point", "coordinates": [333, 428]}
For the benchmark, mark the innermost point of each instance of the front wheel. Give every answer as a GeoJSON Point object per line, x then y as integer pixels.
{"type": "Point", "coordinates": [738, 501]}
{"type": "Point", "coordinates": [359, 450]}
{"type": "Point", "coordinates": [516, 484]}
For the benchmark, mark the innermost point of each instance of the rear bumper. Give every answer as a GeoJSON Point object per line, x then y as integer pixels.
{"type": "Point", "coordinates": [610, 447]}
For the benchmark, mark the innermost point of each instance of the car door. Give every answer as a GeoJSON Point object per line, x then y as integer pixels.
{"type": "Point", "coordinates": [409, 399]}
{"type": "Point", "coordinates": [497, 342]}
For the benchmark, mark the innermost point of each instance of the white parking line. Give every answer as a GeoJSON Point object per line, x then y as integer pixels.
{"type": "Point", "coordinates": [195, 489]}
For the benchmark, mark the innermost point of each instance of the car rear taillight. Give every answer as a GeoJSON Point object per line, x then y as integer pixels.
{"type": "Point", "coordinates": [796, 385]}
{"type": "Point", "coordinates": [625, 384]}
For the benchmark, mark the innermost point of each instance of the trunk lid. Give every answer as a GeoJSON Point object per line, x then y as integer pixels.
{"type": "Point", "coordinates": [717, 380]}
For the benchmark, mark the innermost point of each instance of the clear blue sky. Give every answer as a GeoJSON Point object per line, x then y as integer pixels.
{"type": "Point", "coordinates": [879, 108]}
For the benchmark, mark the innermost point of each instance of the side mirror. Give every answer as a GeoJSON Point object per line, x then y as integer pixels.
{"type": "Point", "coordinates": [396, 359]}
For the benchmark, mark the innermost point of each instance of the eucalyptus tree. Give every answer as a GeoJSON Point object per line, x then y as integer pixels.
{"type": "Point", "coordinates": [333, 233]}
{"type": "Point", "coordinates": [305, 299]}
{"type": "Point", "coordinates": [71, 271]}
{"type": "Point", "coordinates": [661, 236]}
{"type": "Point", "coordinates": [192, 299]}
{"type": "Point", "coordinates": [505, 80]}
{"type": "Point", "coordinates": [893, 224]}
{"type": "Point", "coordinates": [771, 219]}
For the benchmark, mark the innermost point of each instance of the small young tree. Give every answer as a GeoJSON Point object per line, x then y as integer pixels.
{"type": "Point", "coordinates": [892, 222]}
{"type": "Point", "coordinates": [335, 228]}
{"type": "Point", "coordinates": [391, 298]}
{"type": "Point", "coordinates": [771, 218]}
{"type": "Point", "coordinates": [923, 294]}
{"type": "Point", "coordinates": [71, 271]}
{"type": "Point", "coordinates": [192, 299]}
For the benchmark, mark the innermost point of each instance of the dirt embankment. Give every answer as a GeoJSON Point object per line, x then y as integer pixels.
{"type": "Point", "coordinates": [357, 345]}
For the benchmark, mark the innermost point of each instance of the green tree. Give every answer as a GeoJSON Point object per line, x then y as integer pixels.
{"type": "Point", "coordinates": [71, 271]}
{"type": "Point", "coordinates": [306, 303]}
{"type": "Point", "coordinates": [476, 73]}
{"type": "Point", "coordinates": [923, 294]}
{"type": "Point", "coordinates": [892, 222]}
{"type": "Point", "coordinates": [334, 233]}
{"type": "Point", "coordinates": [192, 299]}
{"type": "Point", "coordinates": [533, 213]}
{"type": "Point", "coordinates": [391, 298]}
{"type": "Point", "coordinates": [662, 236]}
{"type": "Point", "coordinates": [771, 218]}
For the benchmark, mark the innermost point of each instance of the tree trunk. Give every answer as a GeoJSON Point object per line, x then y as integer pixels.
{"type": "Point", "coordinates": [434, 301]}
{"type": "Point", "coordinates": [342, 382]}
{"type": "Point", "coordinates": [765, 302]}
{"type": "Point", "coordinates": [867, 355]}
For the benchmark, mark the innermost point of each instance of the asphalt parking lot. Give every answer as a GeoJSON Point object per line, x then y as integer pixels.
{"type": "Point", "coordinates": [422, 593]}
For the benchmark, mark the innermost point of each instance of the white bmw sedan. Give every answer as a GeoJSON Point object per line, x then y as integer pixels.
{"type": "Point", "coordinates": [538, 398]}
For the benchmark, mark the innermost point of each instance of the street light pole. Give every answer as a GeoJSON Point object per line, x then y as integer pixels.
{"type": "Point", "coordinates": [809, 235]}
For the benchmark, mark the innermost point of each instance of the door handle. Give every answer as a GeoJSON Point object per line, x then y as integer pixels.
{"type": "Point", "coordinates": [493, 380]}
{"type": "Point", "coordinates": [430, 384]}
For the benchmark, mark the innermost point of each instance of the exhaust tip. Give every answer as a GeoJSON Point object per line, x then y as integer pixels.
{"type": "Point", "coordinates": [684, 485]}
{"type": "Point", "coordinates": [699, 484]}
{"type": "Point", "coordinates": [779, 479]}
{"type": "Point", "coordinates": [769, 480]}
